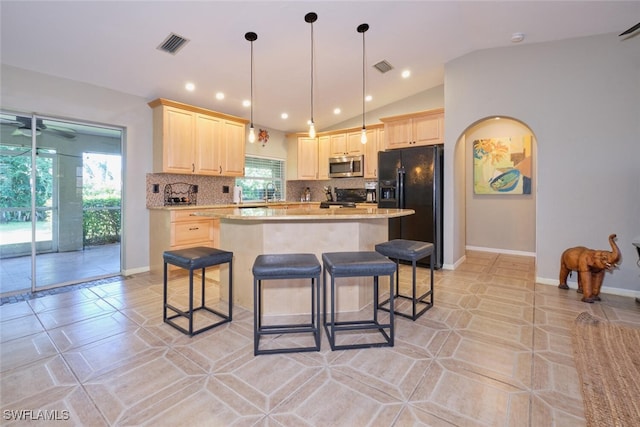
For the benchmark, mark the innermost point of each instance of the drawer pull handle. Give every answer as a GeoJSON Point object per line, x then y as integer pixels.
{"type": "Point", "coordinates": [194, 228]}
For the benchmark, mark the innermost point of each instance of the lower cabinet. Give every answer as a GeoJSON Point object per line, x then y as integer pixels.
{"type": "Point", "coordinates": [178, 229]}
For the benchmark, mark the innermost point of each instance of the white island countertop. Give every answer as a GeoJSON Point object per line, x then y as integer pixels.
{"type": "Point", "coordinates": [303, 213]}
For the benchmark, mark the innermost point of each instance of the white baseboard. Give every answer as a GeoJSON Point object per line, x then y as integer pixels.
{"type": "Point", "coordinates": [454, 265]}
{"type": "Point", "coordinates": [500, 251]}
{"type": "Point", "coordinates": [131, 271]}
{"type": "Point", "coordinates": [605, 290]}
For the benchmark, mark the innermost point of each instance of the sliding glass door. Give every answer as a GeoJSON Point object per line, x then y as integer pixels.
{"type": "Point", "coordinates": [60, 210]}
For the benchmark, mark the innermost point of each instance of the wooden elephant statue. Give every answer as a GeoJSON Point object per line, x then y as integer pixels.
{"type": "Point", "coordinates": [591, 265]}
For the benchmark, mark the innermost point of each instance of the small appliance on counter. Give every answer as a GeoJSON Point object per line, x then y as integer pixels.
{"type": "Point", "coordinates": [237, 194]}
{"type": "Point", "coordinates": [328, 193]}
{"type": "Point", "coordinates": [306, 195]}
{"type": "Point", "coordinates": [371, 188]}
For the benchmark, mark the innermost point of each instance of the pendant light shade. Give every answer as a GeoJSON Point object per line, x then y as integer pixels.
{"type": "Point", "coordinates": [311, 17]}
{"type": "Point", "coordinates": [250, 36]}
{"type": "Point", "coordinates": [362, 28]}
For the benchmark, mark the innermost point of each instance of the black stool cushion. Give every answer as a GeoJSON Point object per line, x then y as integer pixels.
{"type": "Point", "coordinates": [286, 266]}
{"type": "Point", "coordinates": [352, 264]}
{"type": "Point", "coordinates": [409, 250]}
{"type": "Point", "coordinates": [196, 258]}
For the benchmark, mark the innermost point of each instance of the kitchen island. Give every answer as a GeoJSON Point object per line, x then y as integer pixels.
{"type": "Point", "coordinates": [249, 232]}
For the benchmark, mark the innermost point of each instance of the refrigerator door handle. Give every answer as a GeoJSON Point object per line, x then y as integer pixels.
{"type": "Point", "coordinates": [400, 188]}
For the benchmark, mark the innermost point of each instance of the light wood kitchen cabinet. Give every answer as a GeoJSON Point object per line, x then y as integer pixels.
{"type": "Point", "coordinates": [424, 128]}
{"type": "Point", "coordinates": [194, 140]}
{"type": "Point", "coordinates": [178, 229]}
{"type": "Point", "coordinates": [324, 150]}
{"type": "Point", "coordinates": [346, 144]}
{"type": "Point", "coordinates": [375, 136]}
{"type": "Point", "coordinates": [307, 158]}
{"type": "Point", "coordinates": [232, 149]}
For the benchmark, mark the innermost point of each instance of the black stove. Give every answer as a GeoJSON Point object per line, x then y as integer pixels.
{"type": "Point", "coordinates": [354, 195]}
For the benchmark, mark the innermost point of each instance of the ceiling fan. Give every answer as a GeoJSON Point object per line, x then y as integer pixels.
{"type": "Point", "coordinates": [630, 30]}
{"type": "Point", "coordinates": [22, 127]}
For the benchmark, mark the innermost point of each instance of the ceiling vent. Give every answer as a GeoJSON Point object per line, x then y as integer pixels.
{"type": "Point", "coordinates": [383, 66]}
{"type": "Point", "coordinates": [172, 44]}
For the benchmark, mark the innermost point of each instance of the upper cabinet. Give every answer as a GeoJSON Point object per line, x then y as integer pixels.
{"type": "Point", "coordinates": [193, 140]}
{"type": "Point", "coordinates": [375, 138]}
{"type": "Point", "coordinates": [345, 144]}
{"type": "Point", "coordinates": [424, 128]}
{"type": "Point", "coordinates": [307, 158]}
{"type": "Point", "coordinates": [324, 152]}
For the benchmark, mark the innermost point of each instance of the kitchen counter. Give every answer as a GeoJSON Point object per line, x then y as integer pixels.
{"type": "Point", "coordinates": [298, 229]}
{"type": "Point", "coordinates": [303, 213]}
{"type": "Point", "coordinates": [279, 204]}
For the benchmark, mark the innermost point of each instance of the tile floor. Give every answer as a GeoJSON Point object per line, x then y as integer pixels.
{"type": "Point", "coordinates": [495, 350]}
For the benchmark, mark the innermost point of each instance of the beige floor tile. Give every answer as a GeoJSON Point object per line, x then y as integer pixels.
{"type": "Point", "coordinates": [99, 357]}
{"type": "Point", "coordinates": [61, 316]}
{"type": "Point", "coordinates": [34, 382]}
{"type": "Point", "coordinates": [495, 349]}
{"type": "Point", "coordinates": [143, 383]}
{"type": "Point", "coordinates": [13, 311]}
{"type": "Point", "coordinates": [62, 300]}
{"type": "Point", "coordinates": [26, 350]}
{"type": "Point", "coordinates": [20, 327]}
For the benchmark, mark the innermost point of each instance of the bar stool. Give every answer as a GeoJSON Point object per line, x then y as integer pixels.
{"type": "Point", "coordinates": [357, 264]}
{"type": "Point", "coordinates": [194, 259]}
{"type": "Point", "coordinates": [286, 266]}
{"type": "Point", "coordinates": [409, 250]}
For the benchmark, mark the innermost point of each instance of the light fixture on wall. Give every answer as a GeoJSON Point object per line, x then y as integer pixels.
{"type": "Point", "coordinates": [362, 28]}
{"type": "Point", "coordinates": [250, 36]}
{"type": "Point", "coordinates": [311, 17]}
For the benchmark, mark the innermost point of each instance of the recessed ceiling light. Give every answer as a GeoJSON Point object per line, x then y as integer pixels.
{"type": "Point", "coordinates": [190, 87]}
{"type": "Point", "coordinates": [284, 115]}
{"type": "Point", "coordinates": [406, 74]}
{"type": "Point", "coordinates": [368, 98]}
{"type": "Point", "coordinates": [220, 96]}
{"type": "Point", "coordinates": [246, 103]}
{"type": "Point", "coordinates": [337, 111]}
{"type": "Point", "coordinates": [517, 37]}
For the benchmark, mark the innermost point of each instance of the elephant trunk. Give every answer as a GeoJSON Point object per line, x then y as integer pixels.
{"type": "Point", "coordinates": [615, 252]}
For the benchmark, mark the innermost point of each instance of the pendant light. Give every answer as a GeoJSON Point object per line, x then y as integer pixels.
{"type": "Point", "coordinates": [362, 28]}
{"type": "Point", "coordinates": [311, 17]}
{"type": "Point", "coordinates": [250, 36]}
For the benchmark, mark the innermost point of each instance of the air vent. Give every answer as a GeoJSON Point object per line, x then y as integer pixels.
{"type": "Point", "coordinates": [383, 66]}
{"type": "Point", "coordinates": [172, 44]}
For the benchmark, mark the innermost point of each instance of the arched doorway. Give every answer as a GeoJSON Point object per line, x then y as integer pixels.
{"type": "Point", "coordinates": [496, 220]}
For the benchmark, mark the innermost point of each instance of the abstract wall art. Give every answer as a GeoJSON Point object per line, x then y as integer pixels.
{"type": "Point", "coordinates": [502, 165]}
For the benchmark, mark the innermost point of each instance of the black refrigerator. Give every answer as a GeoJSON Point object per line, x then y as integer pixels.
{"type": "Point", "coordinates": [411, 178]}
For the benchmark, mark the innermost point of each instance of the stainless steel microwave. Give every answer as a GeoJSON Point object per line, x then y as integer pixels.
{"type": "Point", "coordinates": [346, 166]}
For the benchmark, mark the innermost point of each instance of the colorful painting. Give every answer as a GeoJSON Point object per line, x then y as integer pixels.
{"type": "Point", "coordinates": [502, 165]}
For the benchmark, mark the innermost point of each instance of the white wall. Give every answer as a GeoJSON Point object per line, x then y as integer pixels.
{"type": "Point", "coordinates": [30, 92]}
{"type": "Point", "coordinates": [580, 98]}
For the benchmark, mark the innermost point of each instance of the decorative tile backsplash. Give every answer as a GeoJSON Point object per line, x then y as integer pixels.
{"type": "Point", "coordinates": [210, 188]}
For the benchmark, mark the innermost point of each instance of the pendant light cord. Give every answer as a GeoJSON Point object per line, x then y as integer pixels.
{"type": "Point", "coordinates": [363, 77]}
{"type": "Point", "coordinates": [311, 71]}
{"type": "Point", "coordinates": [362, 28]}
{"type": "Point", "coordinates": [251, 92]}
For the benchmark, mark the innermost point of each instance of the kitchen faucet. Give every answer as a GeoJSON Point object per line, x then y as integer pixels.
{"type": "Point", "coordinates": [270, 186]}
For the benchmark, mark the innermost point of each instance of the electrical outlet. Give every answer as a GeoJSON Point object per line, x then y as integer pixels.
{"type": "Point", "coordinates": [156, 188]}
{"type": "Point", "coordinates": [225, 189]}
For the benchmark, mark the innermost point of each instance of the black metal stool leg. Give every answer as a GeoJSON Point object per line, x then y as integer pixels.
{"type": "Point", "coordinates": [164, 286]}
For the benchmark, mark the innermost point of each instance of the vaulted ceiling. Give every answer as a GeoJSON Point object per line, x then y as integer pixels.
{"type": "Point", "coordinates": [113, 44]}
